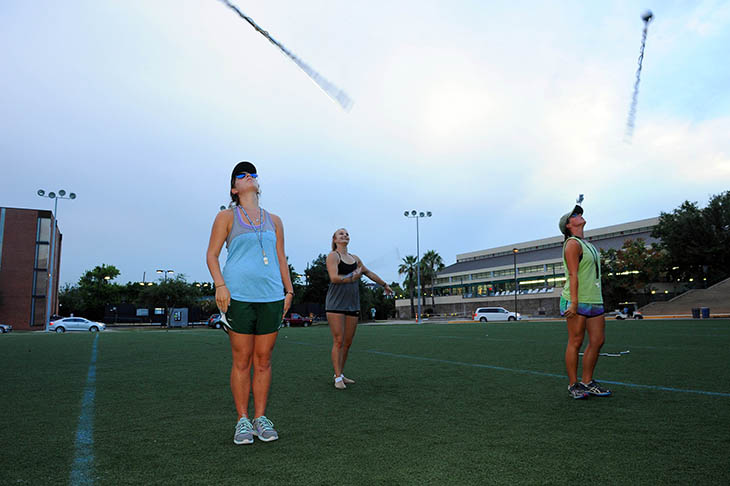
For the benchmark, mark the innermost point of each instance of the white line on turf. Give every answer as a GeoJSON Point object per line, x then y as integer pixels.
{"type": "Point", "coordinates": [525, 372]}
{"type": "Point", "coordinates": [81, 471]}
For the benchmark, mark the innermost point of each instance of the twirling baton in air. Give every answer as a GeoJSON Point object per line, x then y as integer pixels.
{"type": "Point", "coordinates": [646, 17]}
{"type": "Point", "coordinates": [335, 93]}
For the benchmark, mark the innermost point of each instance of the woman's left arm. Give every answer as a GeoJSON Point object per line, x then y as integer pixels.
{"type": "Point", "coordinates": [283, 263]}
{"type": "Point", "coordinates": [373, 276]}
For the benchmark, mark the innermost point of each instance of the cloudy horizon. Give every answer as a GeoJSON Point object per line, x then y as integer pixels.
{"type": "Point", "coordinates": [491, 116]}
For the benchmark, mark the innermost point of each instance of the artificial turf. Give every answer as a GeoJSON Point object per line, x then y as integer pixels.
{"type": "Point", "coordinates": [433, 404]}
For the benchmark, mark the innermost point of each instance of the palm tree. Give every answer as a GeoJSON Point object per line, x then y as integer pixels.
{"type": "Point", "coordinates": [408, 268]}
{"type": "Point", "coordinates": [433, 263]}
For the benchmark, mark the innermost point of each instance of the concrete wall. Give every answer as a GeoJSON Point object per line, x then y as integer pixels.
{"type": "Point", "coordinates": [547, 305]}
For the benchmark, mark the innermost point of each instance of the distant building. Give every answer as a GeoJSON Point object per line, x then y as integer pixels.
{"type": "Point", "coordinates": [487, 277]}
{"type": "Point", "coordinates": [25, 241]}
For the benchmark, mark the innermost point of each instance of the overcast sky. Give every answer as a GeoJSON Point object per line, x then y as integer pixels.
{"type": "Point", "coordinates": [492, 115]}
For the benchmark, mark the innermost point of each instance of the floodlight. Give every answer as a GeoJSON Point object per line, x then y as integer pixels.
{"type": "Point", "coordinates": [41, 192]}
{"type": "Point", "coordinates": [52, 195]}
{"type": "Point", "coordinates": [61, 193]}
{"type": "Point", "coordinates": [72, 195]}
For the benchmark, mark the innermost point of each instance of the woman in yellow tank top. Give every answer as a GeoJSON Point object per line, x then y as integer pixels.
{"type": "Point", "coordinates": [582, 305]}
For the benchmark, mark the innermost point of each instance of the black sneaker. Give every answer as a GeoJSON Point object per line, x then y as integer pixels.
{"type": "Point", "coordinates": [577, 391]}
{"type": "Point", "coordinates": [595, 389]}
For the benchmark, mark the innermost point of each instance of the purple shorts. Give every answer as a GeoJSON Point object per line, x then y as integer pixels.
{"type": "Point", "coordinates": [586, 310]}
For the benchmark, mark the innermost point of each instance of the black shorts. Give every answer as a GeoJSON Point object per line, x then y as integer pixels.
{"type": "Point", "coordinates": [347, 313]}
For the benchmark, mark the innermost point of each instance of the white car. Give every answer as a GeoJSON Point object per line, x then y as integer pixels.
{"type": "Point", "coordinates": [486, 314]}
{"type": "Point", "coordinates": [5, 328]}
{"type": "Point", "coordinates": [75, 324]}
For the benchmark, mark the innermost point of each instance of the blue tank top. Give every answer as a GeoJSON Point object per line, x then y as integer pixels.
{"type": "Point", "coordinates": [247, 277]}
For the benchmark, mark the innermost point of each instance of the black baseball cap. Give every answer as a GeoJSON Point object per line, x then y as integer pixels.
{"type": "Point", "coordinates": [564, 219]}
{"type": "Point", "coordinates": [240, 167]}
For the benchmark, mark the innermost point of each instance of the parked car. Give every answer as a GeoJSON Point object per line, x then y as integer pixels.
{"type": "Point", "coordinates": [297, 320]}
{"type": "Point", "coordinates": [215, 321]}
{"type": "Point", "coordinates": [485, 314]}
{"type": "Point", "coordinates": [5, 328]}
{"type": "Point", "coordinates": [75, 324]}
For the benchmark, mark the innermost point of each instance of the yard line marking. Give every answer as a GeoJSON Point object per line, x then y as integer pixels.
{"type": "Point", "coordinates": [84, 457]}
{"type": "Point", "coordinates": [527, 372]}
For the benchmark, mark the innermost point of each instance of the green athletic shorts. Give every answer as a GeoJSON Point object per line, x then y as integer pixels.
{"type": "Point", "coordinates": [255, 317]}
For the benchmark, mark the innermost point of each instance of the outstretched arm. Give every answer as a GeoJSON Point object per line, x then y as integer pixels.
{"type": "Point", "coordinates": [374, 277]}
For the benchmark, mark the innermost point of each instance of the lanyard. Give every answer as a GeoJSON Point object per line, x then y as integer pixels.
{"type": "Point", "coordinates": [259, 232]}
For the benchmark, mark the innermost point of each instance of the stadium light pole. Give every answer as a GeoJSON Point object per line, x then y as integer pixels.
{"type": "Point", "coordinates": [52, 260]}
{"type": "Point", "coordinates": [514, 262]}
{"type": "Point", "coordinates": [418, 215]}
{"type": "Point", "coordinates": [167, 297]}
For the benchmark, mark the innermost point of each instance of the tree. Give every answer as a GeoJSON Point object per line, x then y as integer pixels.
{"type": "Point", "coordinates": [96, 290]}
{"type": "Point", "coordinates": [630, 270]}
{"type": "Point", "coordinates": [408, 268]}
{"type": "Point", "coordinates": [317, 280]}
{"type": "Point", "coordinates": [697, 240]}
{"type": "Point", "coordinates": [297, 285]}
{"type": "Point", "coordinates": [432, 263]}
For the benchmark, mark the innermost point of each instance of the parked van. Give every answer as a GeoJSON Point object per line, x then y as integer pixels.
{"type": "Point", "coordinates": [485, 314]}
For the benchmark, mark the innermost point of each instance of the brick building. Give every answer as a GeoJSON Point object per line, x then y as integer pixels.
{"type": "Point", "coordinates": [25, 246]}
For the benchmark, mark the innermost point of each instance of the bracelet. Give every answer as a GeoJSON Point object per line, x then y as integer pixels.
{"type": "Point", "coordinates": [289, 292]}
{"type": "Point", "coordinates": [221, 285]}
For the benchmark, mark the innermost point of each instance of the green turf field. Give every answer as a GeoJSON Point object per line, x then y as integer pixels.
{"type": "Point", "coordinates": [433, 404]}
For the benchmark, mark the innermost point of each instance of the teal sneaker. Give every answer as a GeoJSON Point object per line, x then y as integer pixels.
{"type": "Point", "coordinates": [264, 429]}
{"type": "Point", "coordinates": [244, 432]}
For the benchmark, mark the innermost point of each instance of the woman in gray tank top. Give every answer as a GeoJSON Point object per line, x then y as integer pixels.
{"type": "Point", "coordinates": [343, 300]}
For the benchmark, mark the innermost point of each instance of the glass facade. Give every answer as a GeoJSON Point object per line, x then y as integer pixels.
{"type": "Point", "coordinates": [40, 272]}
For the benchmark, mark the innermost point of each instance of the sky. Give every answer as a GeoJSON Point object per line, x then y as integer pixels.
{"type": "Point", "coordinates": [491, 115]}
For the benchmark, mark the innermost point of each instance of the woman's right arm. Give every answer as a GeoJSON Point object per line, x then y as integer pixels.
{"type": "Point", "coordinates": [219, 233]}
{"type": "Point", "coordinates": [572, 257]}
{"type": "Point", "coordinates": [332, 262]}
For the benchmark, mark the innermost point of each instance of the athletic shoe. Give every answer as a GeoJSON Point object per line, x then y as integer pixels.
{"type": "Point", "coordinates": [595, 389]}
{"type": "Point", "coordinates": [346, 380]}
{"type": "Point", "coordinates": [578, 391]}
{"type": "Point", "coordinates": [264, 429]}
{"type": "Point", "coordinates": [244, 432]}
{"type": "Point", "coordinates": [340, 385]}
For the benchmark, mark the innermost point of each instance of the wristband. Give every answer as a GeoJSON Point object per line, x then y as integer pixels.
{"type": "Point", "coordinates": [221, 285]}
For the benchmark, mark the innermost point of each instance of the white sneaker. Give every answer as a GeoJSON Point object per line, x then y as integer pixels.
{"type": "Point", "coordinates": [345, 379]}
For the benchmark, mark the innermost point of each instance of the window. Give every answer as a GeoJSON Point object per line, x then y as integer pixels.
{"type": "Point", "coordinates": [41, 256]}
{"type": "Point", "coordinates": [44, 230]}
{"type": "Point", "coordinates": [39, 311]}
{"type": "Point", "coordinates": [40, 283]}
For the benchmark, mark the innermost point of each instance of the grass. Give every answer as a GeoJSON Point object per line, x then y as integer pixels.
{"type": "Point", "coordinates": [434, 404]}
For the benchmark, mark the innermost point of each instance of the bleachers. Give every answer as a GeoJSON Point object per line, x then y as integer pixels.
{"type": "Point", "coordinates": [717, 298]}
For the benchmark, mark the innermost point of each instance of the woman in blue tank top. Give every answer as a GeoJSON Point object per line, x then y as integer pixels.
{"type": "Point", "coordinates": [253, 292]}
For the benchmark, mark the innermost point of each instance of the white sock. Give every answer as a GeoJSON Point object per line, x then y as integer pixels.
{"type": "Point", "coordinates": [338, 379]}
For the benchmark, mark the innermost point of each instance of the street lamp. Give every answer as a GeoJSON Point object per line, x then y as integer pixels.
{"type": "Point", "coordinates": [165, 272]}
{"type": "Point", "coordinates": [418, 215]}
{"type": "Point", "coordinates": [52, 195]}
{"type": "Point", "coordinates": [515, 251]}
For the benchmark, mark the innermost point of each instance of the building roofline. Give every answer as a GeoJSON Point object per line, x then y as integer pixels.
{"type": "Point", "coordinates": [641, 223]}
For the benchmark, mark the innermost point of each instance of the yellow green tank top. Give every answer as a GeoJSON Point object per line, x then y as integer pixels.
{"type": "Point", "coordinates": [589, 274]}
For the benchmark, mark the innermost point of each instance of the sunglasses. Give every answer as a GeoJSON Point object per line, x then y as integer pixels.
{"type": "Point", "coordinates": [243, 175]}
